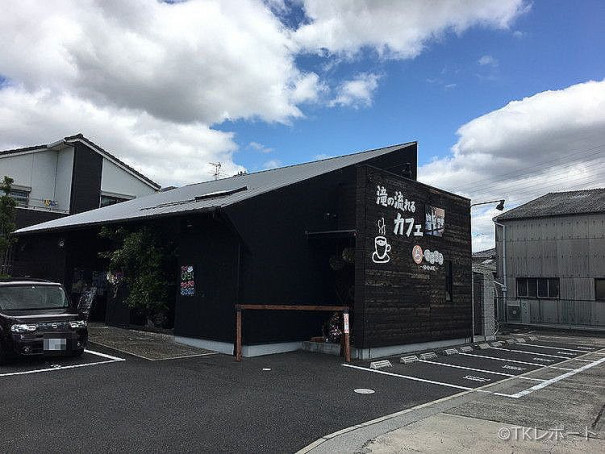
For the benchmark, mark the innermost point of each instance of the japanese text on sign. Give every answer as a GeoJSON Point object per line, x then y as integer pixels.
{"type": "Point", "coordinates": [187, 281]}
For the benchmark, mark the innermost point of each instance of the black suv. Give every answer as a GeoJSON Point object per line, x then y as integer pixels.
{"type": "Point", "coordinates": [36, 318]}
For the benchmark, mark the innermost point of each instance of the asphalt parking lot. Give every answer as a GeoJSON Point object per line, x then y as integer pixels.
{"type": "Point", "coordinates": [109, 401]}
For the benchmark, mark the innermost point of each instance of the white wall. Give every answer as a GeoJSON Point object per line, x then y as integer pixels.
{"type": "Point", "coordinates": [65, 168]}
{"type": "Point", "coordinates": [46, 172]}
{"type": "Point", "coordinates": [116, 180]}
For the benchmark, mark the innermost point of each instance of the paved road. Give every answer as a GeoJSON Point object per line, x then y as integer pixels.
{"type": "Point", "coordinates": [279, 403]}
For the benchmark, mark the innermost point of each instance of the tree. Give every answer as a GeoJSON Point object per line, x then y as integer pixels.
{"type": "Point", "coordinates": [137, 263]}
{"type": "Point", "coordinates": [8, 213]}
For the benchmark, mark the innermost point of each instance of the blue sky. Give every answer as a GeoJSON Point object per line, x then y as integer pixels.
{"type": "Point", "coordinates": [505, 98]}
{"type": "Point", "coordinates": [554, 45]}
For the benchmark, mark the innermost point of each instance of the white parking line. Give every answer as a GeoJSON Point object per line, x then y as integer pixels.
{"type": "Point", "coordinates": [556, 379]}
{"type": "Point", "coordinates": [480, 370]}
{"type": "Point", "coordinates": [514, 361]}
{"type": "Point", "coordinates": [423, 380]}
{"type": "Point", "coordinates": [105, 355]}
{"type": "Point", "coordinates": [532, 353]}
{"type": "Point", "coordinates": [556, 348]}
{"type": "Point", "coordinates": [112, 359]}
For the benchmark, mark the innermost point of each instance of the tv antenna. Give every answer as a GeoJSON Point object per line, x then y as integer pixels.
{"type": "Point", "coordinates": [217, 169]}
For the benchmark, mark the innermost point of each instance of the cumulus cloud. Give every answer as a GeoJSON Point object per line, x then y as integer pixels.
{"type": "Point", "coordinates": [396, 29]}
{"type": "Point", "coordinates": [166, 152]}
{"type": "Point", "coordinates": [550, 142]}
{"type": "Point", "coordinates": [357, 92]}
{"type": "Point", "coordinates": [148, 80]}
{"type": "Point", "coordinates": [201, 61]}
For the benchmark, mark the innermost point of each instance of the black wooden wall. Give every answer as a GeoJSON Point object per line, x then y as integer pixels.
{"type": "Point", "coordinates": [86, 179]}
{"type": "Point", "coordinates": [399, 301]}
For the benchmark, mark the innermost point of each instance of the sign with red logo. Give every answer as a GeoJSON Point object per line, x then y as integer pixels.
{"type": "Point", "coordinates": [417, 254]}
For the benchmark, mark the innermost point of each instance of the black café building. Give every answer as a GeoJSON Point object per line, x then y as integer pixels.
{"type": "Point", "coordinates": [356, 231]}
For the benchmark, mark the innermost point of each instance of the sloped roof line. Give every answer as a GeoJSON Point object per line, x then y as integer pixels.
{"type": "Point", "coordinates": [80, 138]}
{"type": "Point", "coordinates": [119, 162]}
{"type": "Point", "coordinates": [395, 146]}
{"type": "Point", "coordinates": [162, 203]}
{"type": "Point", "coordinates": [585, 201]}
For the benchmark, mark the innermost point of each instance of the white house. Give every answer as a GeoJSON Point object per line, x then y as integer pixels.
{"type": "Point", "coordinates": [67, 177]}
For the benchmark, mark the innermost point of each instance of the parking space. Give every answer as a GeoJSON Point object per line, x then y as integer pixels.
{"type": "Point", "coordinates": [527, 365]}
{"type": "Point", "coordinates": [36, 365]}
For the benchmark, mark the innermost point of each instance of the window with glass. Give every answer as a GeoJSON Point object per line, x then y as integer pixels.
{"type": "Point", "coordinates": [21, 196]}
{"type": "Point", "coordinates": [107, 200]}
{"type": "Point", "coordinates": [538, 287]}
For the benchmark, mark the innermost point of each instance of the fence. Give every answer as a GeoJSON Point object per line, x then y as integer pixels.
{"type": "Point", "coordinates": [553, 312]}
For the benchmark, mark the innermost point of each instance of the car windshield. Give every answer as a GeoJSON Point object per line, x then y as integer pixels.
{"type": "Point", "coordinates": [21, 297]}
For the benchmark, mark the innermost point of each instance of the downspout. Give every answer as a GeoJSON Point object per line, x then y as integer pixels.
{"type": "Point", "coordinates": [504, 275]}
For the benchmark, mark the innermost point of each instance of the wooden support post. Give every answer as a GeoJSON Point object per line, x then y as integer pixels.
{"type": "Point", "coordinates": [346, 330]}
{"type": "Point", "coordinates": [238, 334]}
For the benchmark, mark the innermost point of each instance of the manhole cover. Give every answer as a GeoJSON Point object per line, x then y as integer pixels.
{"type": "Point", "coordinates": [364, 391]}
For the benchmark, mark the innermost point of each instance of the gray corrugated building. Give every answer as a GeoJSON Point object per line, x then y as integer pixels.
{"type": "Point", "coordinates": [551, 256]}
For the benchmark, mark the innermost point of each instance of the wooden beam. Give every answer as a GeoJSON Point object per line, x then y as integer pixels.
{"type": "Point", "coordinates": [346, 333]}
{"type": "Point", "coordinates": [282, 307]}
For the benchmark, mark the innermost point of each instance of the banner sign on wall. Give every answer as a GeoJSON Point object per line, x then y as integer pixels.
{"type": "Point", "coordinates": [187, 281]}
{"type": "Point", "coordinates": [435, 221]}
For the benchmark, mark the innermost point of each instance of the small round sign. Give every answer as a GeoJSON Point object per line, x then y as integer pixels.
{"type": "Point", "coordinates": [417, 254]}
{"type": "Point", "coordinates": [364, 391]}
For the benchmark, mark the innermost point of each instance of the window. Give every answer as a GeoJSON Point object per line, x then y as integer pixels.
{"type": "Point", "coordinates": [449, 281]}
{"type": "Point", "coordinates": [537, 287]}
{"type": "Point", "coordinates": [21, 196]}
{"type": "Point", "coordinates": [107, 200]}
{"type": "Point", "coordinates": [599, 289]}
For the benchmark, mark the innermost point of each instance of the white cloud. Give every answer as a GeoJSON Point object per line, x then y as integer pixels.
{"type": "Point", "coordinates": [396, 29]}
{"type": "Point", "coordinates": [488, 60]}
{"type": "Point", "coordinates": [550, 142]}
{"type": "Point", "coordinates": [201, 61]}
{"type": "Point", "coordinates": [148, 80]}
{"type": "Point", "coordinates": [272, 164]}
{"type": "Point", "coordinates": [357, 92]}
{"type": "Point", "coordinates": [260, 147]}
{"type": "Point", "coordinates": [166, 152]}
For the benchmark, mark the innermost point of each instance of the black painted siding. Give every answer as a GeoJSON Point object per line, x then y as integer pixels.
{"type": "Point", "coordinates": [208, 244]}
{"type": "Point", "coordinates": [399, 301]}
{"type": "Point", "coordinates": [26, 217]}
{"type": "Point", "coordinates": [86, 180]}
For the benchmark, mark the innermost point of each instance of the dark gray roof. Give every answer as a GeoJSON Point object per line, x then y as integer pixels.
{"type": "Point", "coordinates": [211, 194]}
{"type": "Point", "coordinates": [487, 254]}
{"type": "Point", "coordinates": [559, 204]}
{"type": "Point", "coordinates": [91, 145]}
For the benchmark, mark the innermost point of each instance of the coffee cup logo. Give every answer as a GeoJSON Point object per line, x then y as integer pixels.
{"type": "Point", "coordinates": [382, 249]}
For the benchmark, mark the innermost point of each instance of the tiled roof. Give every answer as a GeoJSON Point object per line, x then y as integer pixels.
{"type": "Point", "coordinates": [559, 204]}
{"type": "Point", "coordinates": [211, 195]}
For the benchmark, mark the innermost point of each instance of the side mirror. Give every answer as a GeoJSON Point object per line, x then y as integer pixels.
{"type": "Point", "coordinates": [86, 300]}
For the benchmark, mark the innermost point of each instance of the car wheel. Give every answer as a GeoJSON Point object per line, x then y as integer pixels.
{"type": "Point", "coordinates": [77, 353]}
